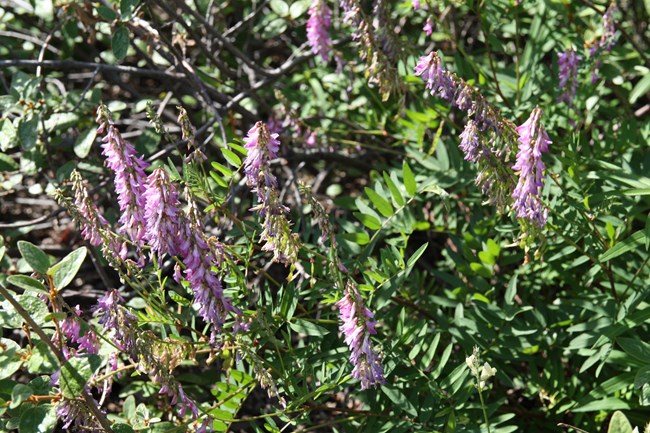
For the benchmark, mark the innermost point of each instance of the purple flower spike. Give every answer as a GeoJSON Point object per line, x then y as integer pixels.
{"type": "Point", "coordinates": [320, 20]}
{"type": "Point", "coordinates": [357, 327]}
{"type": "Point", "coordinates": [129, 176]}
{"type": "Point", "coordinates": [199, 258]}
{"type": "Point", "coordinates": [262, 148]}
{"type": "Point", "coordinates": [161, 213]}
{"type": "Point", "coordinates": [533, 141]}
{"type": "Point", "coordinates": [568, 62]}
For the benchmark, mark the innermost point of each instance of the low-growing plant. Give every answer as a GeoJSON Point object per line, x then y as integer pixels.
{"type": "Point", "coordinates": [324, 216]}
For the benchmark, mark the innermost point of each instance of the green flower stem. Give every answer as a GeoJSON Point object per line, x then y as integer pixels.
{"type": "Point", "coordinates": [480, 396]}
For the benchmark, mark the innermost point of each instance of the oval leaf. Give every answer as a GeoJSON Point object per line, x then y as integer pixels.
{"type": "Point", "coordinates": [26, 283]}
{"type": "Point", "coordinates": [120, 42]}
{"type": "Point", "coordinates": [34, 256]}
{"type": "Point", "coordinates": [64, 272]}
{"type": "Point", "coordinates": [76, 373]}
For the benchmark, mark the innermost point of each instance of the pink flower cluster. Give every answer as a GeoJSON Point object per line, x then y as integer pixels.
{"type": "Point", "coordinates": [129, 176]}
{"type": "Point", "coordinates": [533, 141]}
{"type": "Point", "coordinates": [357, 327]}
{"type": "Point", "coordinates": [568, 62]}
{"type": "Point", "coordinates": [262, 147]}
{"type": "Point", "coordinates": [320, 20]}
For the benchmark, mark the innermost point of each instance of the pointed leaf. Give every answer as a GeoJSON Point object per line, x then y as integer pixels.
{"type": "Point", "coordinates": [395, 192]}
{"type": "Point", "coordinates": [409, 179]}
{"type": "Point", "coordinates": [382, 205]}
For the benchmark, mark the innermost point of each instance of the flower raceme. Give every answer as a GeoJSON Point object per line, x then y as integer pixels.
{"type": "Point", "coordinates": [262, 147]}
{"type": "Point", "coordinates": [130, 177]}
{"type": "Point", "coordinates": [568, 62]}
{"type": "Point", "coordinates": [357, 327]}
{"type": "Point", "coordinates": [320, 20]}
{"type": "Point", "coordinates": [533, 141]}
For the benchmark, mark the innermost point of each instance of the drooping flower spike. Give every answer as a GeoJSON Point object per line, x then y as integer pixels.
{"type": "Point", "coordinates": [357, 327]}
{"type": "Point", "coordinates": [533, 141]}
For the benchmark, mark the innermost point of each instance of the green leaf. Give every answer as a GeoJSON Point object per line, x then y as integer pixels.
{"type": "Point", "coordinates": [10, 359]}
{"type": "Point", "coordinates": [641, 88]}
{"type": "Point", "coordinates": [64, 272]}
{"type": "Point", "coordinates": [28, 132]}
{"type": "Point", "coordinates": [619, 423]}
{"type": "Point", "coordinates": [367, 220]}
{"type": "Point", "coordinates": [382, 205]}
{"type": "Point", "coordinates": [84, 142]}
{"type": "Point", "coordinates": [7, 135]}
{"type": "Point", "coordinates": [359, 238]}
{"type": "Point", "coordinates": [42, 360]}
{"type": "Point", "coordinates": [297, 9]}
{"type": "Point", "coordinates": [19, 394]}
{"type": "Point", "coordinates": [306, 327]}
{"type": "Point", "coordinates": [400, 400]}
{"type": "Point", "coordinates": [61, 121]}
{"type": "Point", "coordinates": [76, 373]}
{"type": "Point", "coordinates": [231, 157]}
{"type": "Point", "coordinates": [409, 180]}
{"type": "Point", "coordinates": [120, 43]}
{"type": "Point", "coordinates": [122, 428]}
{"type": "Point", "coordinates": [223, 169]}
{"type": "Point", "coordinates": [394, 191]}
{"type": "Point", "coordinates": [34, 256]}
{"type": "Point", "coordinates": [106, 13]}
{"type": "Point", "coordinates": [511, 291]}
{"type": "Point", "coordinates": [637, 349]}
{"type": "Point", "coordinates": [416, 255]}
{"type": "Point", "coordinates": [38, 419]}
{"type": "Point", "coordinates": [27, 283]}
{"type": "Point", "coordinates": [635, 240]}
{"type": "Point", "coordinates": [127, 7]}
{"type": "Point", "coordinates": [280, 7]}
{"type": "Point", "coordinates": [7, 163]}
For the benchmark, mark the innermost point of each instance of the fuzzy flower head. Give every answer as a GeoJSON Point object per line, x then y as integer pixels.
{"type": "Point", "coordinates": [357, 327]}
{"type": "Point", "coordinates": [161, 213]}
{"type": "Point", "coordinates": [129, 173]}
{"type": "Point", "coordinates": [568, 62]}
{"type": "Point", "coordinates": [320, 20]}
{"type": "Point", "coordinates": [533, 141]}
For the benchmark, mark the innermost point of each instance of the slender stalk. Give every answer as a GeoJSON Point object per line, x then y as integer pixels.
{"type": "Point", "coordinates": [487, 421]}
